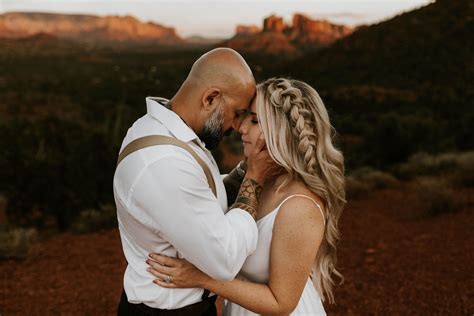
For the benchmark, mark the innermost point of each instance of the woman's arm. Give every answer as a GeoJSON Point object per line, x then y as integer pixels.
{"type": "Point", "coordinates": [297, 233]}
{"type": "Point", "coordinates": [254, 296]}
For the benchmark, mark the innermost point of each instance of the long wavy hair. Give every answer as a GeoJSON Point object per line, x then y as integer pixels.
{"type": "Point", "coordinates": [299, 137]}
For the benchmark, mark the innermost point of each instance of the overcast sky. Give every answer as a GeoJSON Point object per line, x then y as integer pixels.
{"type": "Point", "coordinates": [218, 18]}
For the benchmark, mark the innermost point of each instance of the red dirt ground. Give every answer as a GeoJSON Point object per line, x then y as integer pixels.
{"type": "Point", "coordinates": [393, 265]}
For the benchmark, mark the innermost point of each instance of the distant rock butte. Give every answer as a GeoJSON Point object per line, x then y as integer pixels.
{"type": "Point", "coordinates": [273, 24]}
{"type": "Point", "coordinates": [247, 29]}
{"type": "Point", "coordinates": [85, 28]}
{"type": "Point", "coordinates": [307, 31]}
{"type": "Point", "coordinates": [276, 37]}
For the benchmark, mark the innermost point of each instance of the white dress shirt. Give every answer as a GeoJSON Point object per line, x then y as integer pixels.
{"type": "Point", "coordinates": [164, 205]}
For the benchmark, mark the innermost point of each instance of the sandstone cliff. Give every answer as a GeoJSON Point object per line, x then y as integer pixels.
{"type": "Point", "coordinates": [320, 32]}
{"type": "Point", "coordinates": [276, 37]}
{"type": "Point", "coordinates": [85, 28]}
{"type": "Point", "coordinates": [247, 30]}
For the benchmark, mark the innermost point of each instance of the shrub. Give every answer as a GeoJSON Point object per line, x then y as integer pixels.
{"type": "Point", "coordinates": [395, 136]}
{"type": "Point", "coordinates": [92, 220]}
{"type": "Point", "coordinates": [356, 189]}
{"type": "Point", "coordinates": [54, 170]}
{"type": "Point", "coordinates": [436, 197]}
{"type": "Point", "coordinates": [374, 179]}
{"type": "Point", "coordinates": [364, 180]}
{"type": "Point", "coordinates": [464, 174]}
{"type": "Point", "coordinates": [423, 164]}
{"type": "Point", "coordinates": [15, 243]}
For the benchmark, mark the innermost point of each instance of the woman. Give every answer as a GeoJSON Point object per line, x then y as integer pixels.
{"type": "Point", "coordinates": [293, 267]}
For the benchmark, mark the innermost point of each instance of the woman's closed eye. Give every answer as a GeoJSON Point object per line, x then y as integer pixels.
{"type": "Point", "coordinates": [254, 118]}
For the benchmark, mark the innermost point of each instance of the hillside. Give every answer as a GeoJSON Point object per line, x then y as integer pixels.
{"type": "Point", "coordinates": [428, 45]}
{"type": "Point", "coordinates": [406, 82]}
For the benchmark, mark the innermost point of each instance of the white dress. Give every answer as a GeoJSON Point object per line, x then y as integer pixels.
{"type": "Point", "coordinates": [257, 267]}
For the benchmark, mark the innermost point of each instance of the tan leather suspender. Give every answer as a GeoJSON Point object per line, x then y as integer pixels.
{"type": "Point", "coordinates": [154, 140]}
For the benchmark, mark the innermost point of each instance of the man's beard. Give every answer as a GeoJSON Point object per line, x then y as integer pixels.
{"type": "Point", "coordinates": [213, 130]}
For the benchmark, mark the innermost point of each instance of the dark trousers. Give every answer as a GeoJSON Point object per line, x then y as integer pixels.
{"type": "Point", "coordinates": [206, 307]}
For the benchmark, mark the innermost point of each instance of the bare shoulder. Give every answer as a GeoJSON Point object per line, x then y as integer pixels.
{"type": "Point", "coordinates": [300, 213]}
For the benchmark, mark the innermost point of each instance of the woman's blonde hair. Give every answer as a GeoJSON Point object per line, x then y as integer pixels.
{"type": "Point", "coordinates": [299, 135]}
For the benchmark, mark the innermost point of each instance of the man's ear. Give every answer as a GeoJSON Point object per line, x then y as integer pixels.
{"type": "Point", "coordinates": [211, 98]}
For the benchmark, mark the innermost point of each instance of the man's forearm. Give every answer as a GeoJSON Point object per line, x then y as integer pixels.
{"type": "Point", "coordinates": [248, 196]}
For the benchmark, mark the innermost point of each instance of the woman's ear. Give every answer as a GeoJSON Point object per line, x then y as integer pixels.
{"type": "Point", "coordinates": [211, 98]}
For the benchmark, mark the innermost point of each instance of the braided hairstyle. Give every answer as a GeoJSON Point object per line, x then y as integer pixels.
{"type": "Point", "coordinates": [299, 136]}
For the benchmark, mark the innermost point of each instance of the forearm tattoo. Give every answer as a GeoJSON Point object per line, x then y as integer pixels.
{"type": "Point", "coordinates": [248, 197]}
{"type": "Point", "coordinates": [232, 184]}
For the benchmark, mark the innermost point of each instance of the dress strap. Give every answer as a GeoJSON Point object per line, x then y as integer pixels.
{"type": "Point", "coordinates": [305, 196]}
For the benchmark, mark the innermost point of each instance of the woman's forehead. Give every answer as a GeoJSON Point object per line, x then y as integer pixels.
{"type": "Point", "coordinates": [253, 106]}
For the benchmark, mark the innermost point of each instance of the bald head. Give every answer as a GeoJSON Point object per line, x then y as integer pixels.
{"type": "Point", "coordinates": [222, 67]}
{"type": "Point", "coordinates": [219, 88]}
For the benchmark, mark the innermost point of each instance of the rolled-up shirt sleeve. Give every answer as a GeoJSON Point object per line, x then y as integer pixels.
{"type": "Point", "coordinates": [175, 200]}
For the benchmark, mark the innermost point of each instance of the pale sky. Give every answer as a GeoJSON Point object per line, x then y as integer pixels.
{"type": "Point", "coordinates": [219, 18]}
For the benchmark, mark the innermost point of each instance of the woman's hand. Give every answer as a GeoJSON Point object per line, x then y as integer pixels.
{"type": "Point", "coordinates": [175, 273]}
{"type": "Point", "coordinates": [260, 165]}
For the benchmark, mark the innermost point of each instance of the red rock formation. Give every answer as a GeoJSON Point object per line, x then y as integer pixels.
{"type": "Point", "coordinates": [247, 30]}
{"type": "Point", "coordinates": [6, 32]}
{"type": "Point", "coordinates": [305, 31]}
{"type": "Point", "coordinates": [273, 24]}
{"type": "Point", "coordinates": [85, 27]}
{"type": "Point", "coordinates": [264, 42]}
{"type": "Point", "coordinates": [276, 37]}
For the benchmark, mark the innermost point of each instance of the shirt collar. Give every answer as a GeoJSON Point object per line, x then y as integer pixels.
{"type": "Point", "coordinates": [171, 120]}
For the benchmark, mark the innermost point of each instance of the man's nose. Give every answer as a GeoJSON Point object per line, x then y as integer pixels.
{"type": "Point", "coordinates": [242, 130]}
{"type": "Point", "coordinates": [237, 124]}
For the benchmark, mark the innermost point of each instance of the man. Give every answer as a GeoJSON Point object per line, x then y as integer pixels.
{"type": "Point", "coordinates": [164, 203]}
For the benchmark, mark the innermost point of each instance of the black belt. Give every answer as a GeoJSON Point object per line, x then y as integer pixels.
{"type": "Point", "coordinates": [206, 307]}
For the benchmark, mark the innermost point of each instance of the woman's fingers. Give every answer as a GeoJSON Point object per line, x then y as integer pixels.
{"type": "Point", "coordinates": [166, 261]}
{"type": "Point", "coordinates": [159, 267]}
{"type": "Point", "coordinates": [260, 143]}
{"type": "Point", "coordinates": [162, 273]}
{"type": "Point", "coordinates": [158, 274]}
{"type": "Point", "coordinates": [164, 284]}
{"type": "Point", "coordinates": [180, 273]}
